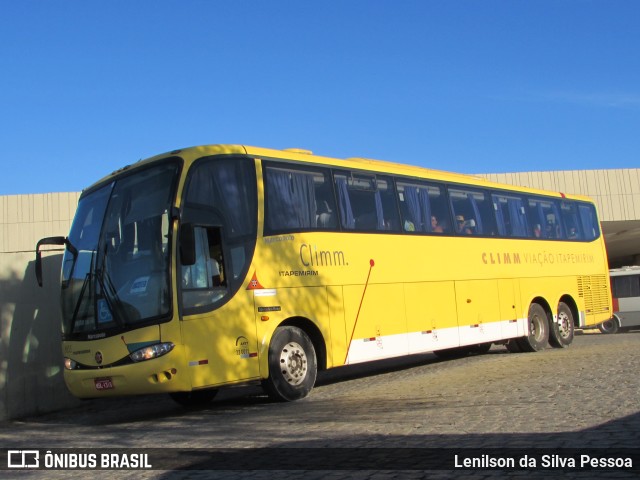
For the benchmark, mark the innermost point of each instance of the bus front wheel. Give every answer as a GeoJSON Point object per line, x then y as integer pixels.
{"type": "Point", "coordinates": [538, 336]}
{"type": "Point", "coordinates": [561, 332]}
{"type": "Point", "coordinates": [292, 365]}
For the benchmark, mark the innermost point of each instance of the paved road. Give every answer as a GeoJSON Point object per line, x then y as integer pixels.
{"type": "Point", "coordinates": [585, 396]}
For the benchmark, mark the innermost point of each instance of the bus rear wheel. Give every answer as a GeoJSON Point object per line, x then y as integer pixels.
{"type": "Point", "coordinates": [562, 330]}
{"type": "Point", "coordinates": [538, 336]}
{"type": "Point", "coordinates": [293, 365]}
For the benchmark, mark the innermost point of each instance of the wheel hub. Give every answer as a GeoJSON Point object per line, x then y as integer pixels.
{"type": "Point", "coordinates": [563, 325]}
{"type": "Point", "coordinates": [293, 363]}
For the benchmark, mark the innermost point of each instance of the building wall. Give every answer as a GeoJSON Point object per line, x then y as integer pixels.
{"type": "Point", "coordinates": [24, 219]}
{"type": "Point", "coordinates": [30, 355]}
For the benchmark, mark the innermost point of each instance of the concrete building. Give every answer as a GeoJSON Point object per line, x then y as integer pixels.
{"type": "Point", "coordinates": [30, 356]}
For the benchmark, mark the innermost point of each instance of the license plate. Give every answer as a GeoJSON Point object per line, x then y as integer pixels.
{"type": "Point", "coordinates": [103, 384]}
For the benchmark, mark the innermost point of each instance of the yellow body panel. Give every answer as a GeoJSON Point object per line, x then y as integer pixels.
{"type": "Point", "coordinates": [221, 347]}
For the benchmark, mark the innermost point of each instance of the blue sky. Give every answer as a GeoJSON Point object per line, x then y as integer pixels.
{"type": "Point", "coordinates": [88, 86]}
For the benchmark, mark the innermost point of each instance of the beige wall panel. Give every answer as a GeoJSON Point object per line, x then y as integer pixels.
{"type": "Point", "coordinates": [30, 353]}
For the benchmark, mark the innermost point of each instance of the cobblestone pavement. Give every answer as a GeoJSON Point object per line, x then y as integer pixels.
{"type": "Point", "coordinates": [585, 396]}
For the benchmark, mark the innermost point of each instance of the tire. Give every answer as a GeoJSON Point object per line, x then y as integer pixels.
{"type": "Point", "coordinates": [513, 346]}
{"type": "Point", "coordinates": [194, 399]}
{"type": "Point", "coordinates": [562, 331]}
{"type": "Point", "coordinates": [293, 366]}
{"type": "Point", "coordinates": [538, 337]}
{"type": "Point", "coordinates": [610, 326]}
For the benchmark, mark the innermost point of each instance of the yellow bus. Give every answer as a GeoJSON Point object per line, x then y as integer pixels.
{"type": "Point", "coordinates": [219, 265]}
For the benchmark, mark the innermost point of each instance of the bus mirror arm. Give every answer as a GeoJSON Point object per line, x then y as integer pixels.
{"type": "Point", "coordinates": [51, 241]}
{"type": "Point", "coordinates": [175, 213]}
{"type": "Point", "coordinates": [187, 244]}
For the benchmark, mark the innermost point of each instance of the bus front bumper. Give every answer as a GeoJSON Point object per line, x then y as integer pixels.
{"type": "Point", "coordinates": [159, 375]}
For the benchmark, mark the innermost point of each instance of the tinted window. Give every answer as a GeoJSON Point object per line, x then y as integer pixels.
{"type": "Point", "coordinates": [298, 198]}
{"type": "Point", "coordinates": [366, 202]}
{"type": "Point", "coordinates": [511, 217]}
{"type": "Point", "coordinates": [473, 212]}
{"type": "Point", "coordinates": [423, 207]}
{"type": "Point", "coordinates": [626, 286]}
{"type": "Point", "coordinates": [220, 205]}
{"type": "Point", "coordinates": [571, 220]}
{"type": "Point", "coordinates": [589, 221]}
{"type": "Point", "coordinates": [222, 192]}
{"type": "Point", "coordinates": [544, 219]}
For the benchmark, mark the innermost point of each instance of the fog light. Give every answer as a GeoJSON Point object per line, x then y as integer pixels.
{"type": "Point", "coordinates": [152, 351]}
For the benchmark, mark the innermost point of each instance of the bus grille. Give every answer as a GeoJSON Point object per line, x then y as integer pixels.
{"type": "Point", "coordinates": [595, 292]}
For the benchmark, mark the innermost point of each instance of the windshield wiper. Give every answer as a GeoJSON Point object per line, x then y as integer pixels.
{"type": "Point", "coordinates": [79, 302]}
{"type": "Point", "coordinates": [109, 292]}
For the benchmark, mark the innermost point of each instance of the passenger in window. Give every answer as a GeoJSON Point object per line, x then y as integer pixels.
{"type": "Point", "coordinates": [217, 273]}
{"type": "Point", "coordinates": [573, 233]}
{"type": "Point", "coordinates": [463, 226]}
{"type": "Point", "coordinates": [325, 217]}
{"type": "Point", "coordinates": [537, 230]}
{"type": "Point", "coordinates": [435, 227]}
{"type": "Point", "coordinates": [552, 231]}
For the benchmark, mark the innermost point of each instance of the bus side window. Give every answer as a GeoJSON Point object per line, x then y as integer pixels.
{"type": "Point", "coordinates": [298, 199]}
{"type": "Point", "coordinates": [569, 213]}
{"type": "Point", "coordinates": [626, 286]}
{"type": "Point", "coordinates": [473, 211]}
{"type": "Point", "coordinates": [589, 222]}
{"type": "Point", "coordinates": [544, 218]}
{"type": "Point", "coordinates": [510, 216]}
{"type": "Point", "coordinates": [423, 207]}
{"type": "Point", "coordinates": [204, 281]}
{"type": "Point", "coordinates": [366, 202]}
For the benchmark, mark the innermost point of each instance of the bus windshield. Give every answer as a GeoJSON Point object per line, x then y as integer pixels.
{"type": "Point", "coordinates": [119, 278]}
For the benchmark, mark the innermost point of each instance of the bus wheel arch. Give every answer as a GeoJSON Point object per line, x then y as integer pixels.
{"type": "Point", "coordinates": [538, 319]}
{"type": "Point", "coordinates": [562, 329]}
{"type": "Point", "coordinates": [314, 334]}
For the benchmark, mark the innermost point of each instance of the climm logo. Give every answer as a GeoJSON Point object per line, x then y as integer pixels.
{"type": "Point", "coordinates": [312, 256]}
{"type": "Point", "coordinates": [500, 258]}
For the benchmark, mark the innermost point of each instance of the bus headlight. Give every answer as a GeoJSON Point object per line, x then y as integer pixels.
{"type": "Point", "coordinates": [70, 364]}
{"type": "Point", "coordinates": [152, 351]}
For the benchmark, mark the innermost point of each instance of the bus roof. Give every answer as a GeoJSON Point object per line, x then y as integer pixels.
{"type": "Point", "coordinates": [190, 154]}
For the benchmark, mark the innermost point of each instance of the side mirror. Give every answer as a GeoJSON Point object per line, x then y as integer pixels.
{"type": "Point", "coordinates": [49, 241]}
{"type": "Point", "coordinates": [187, 243]}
